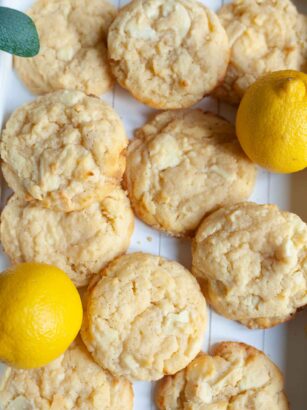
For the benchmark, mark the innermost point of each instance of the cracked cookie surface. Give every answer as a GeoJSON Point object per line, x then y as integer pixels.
{"type": "Point", "coordinates": [73, 53]}
{"type": "Point", "coordinates": [235, 377]}
{"type": "Point", "coordinates": [263, 38]}
{"type": "Point", "coordinates": [168, 54]}
{"type": "Point", "coordinates": [144, 318]}
{"type": "Point", "coordinates": [71, 382]}
{"type": "Point", "coordinates": [183, 165]}
{"type": "Point", "coordinates": [251, 262]}
{"type": "Point", "coordinates": [80, 243]}
{"type": "Point", "coordinates": [64, 149]}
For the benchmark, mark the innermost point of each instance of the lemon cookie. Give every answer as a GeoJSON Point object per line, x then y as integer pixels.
{"type": "Point", "coordinates": [182, 165]}
{"type": "Point", "coordinates": [168, 54]}
{"type": "Point", "coordinates": [73, 53]}
{"type": "Point", "coordinates": [79, 242]}
{"type": "Point", "coordinates": [251, 261]}
{"type": "Point", "coordinates": [262, 36]}
{"type": "Point", "coordinates": [71, 382]}
{"type": "Point", "coordinates": [302, 36]}
{"type": "Point", "coordinates": [144, 318]}
{"type": "Point", "coordinates": [236, 377]}
{"type": "Point", "coordinates": [65, 149]}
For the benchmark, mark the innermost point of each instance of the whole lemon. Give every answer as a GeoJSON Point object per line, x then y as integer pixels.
{"type": "Point", "coordinates": [40, 314]}
{"type": "Point", "coordinates": [272, 121]}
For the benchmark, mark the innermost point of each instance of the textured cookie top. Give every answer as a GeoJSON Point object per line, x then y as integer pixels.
{"type": "Point", "coordinates": [183, 165]}
{"type": "Point", "coordinates": [71, 382]}
{"type": "Point", "coordinates": [252, 263]}
{"type": "Point", "coordinates": [302, 38]}
{"type": "Point", "coordinates": [168, 54]}
{"type": "Point", "coordinates": [73, 52]}
{"type": "Point", "coordinates": [144, 318]}
{"type": "Point", "coordinates": [236, 377]}
{"type": "Point", "coordinates": [79, 242]}
{"type": "Point", "coordinates": [262, 36]}
{"type": "Point", "coordinates": [65, 149]}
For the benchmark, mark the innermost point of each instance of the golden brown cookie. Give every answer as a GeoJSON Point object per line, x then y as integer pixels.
{"type": "Point", "coordinates": [251, 261]}
{"type": "Point", "coordinates": [73, 52]}
{"type": "Point", "coordinates": [168, 54]}
{"type": "Point", "coordinates": [80, 242]}
{"type": "Point", "coordinates": [263, 38]}
{"type": "Point", "coordinates": [65, 149]}
{"type": "Point", "coordinates": [183, 165]}
{"type": "Point", "coordinates": [235, 377]}
{"type": "Point", "coordinates": [144, 318]}
{"type": "Point", "coordinates": [71, 382]}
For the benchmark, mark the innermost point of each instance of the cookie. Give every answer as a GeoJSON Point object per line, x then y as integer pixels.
{"type": "Point", "coordinates": [183, 165]}
{"type": "Point", "coordinates": [64, 149]}
{"type": "Point", "coordinates": [168, 54]}
{"type": "Point", "coordinates": [262, 36]}
{"type": "Point", "coordinates": [235, 377]}
{"type": "Point", "coordinates": [144, 318]}
{"type": "Point", "coordinates": [73, 53]}
{"type": "Point", "coordinates": [302, 36]}
{"type": "Point", "coordinates": [251, 262]}
{"type": "Point", "coordinates": [71, 382]}
{"type": "Point", "coordinates": [80, 242]}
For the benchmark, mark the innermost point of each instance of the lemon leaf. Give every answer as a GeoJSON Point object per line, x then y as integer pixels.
{"type": "Point", "coordinates": [18, 34]}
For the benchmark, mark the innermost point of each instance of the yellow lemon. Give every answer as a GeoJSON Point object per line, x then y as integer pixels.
{"type": "Point", "coordinates": [40, 314]}
{"type": "Point", "coordinates": [272, 121]}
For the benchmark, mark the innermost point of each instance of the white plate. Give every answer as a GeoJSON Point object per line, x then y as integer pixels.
{"type": "Point", "coordinates": [286, 344]}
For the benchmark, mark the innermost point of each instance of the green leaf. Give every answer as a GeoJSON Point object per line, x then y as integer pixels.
{"type": "Point", "coordinates": [18, 34]}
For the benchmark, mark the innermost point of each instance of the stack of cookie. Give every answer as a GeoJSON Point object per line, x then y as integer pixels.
{"type": "Point", "coordinates": [64, 155]}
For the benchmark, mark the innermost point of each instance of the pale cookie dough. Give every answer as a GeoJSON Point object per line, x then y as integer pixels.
{"type": "Point", "coordinates": [64, 149]}
{"type": "Point", "coordinates": [263, 38]}
{"type": "Point", "coordinates": [71, 382]}
{"type": "Point", "coordinates": [144, 318]}
{"type": "Point", "coordinates": [183, 165]}
{"type": "Point", "coordinates": [73, 53]}
{"type": "Point", "coordinates": [251, 261]}
{"type": "Point", "coordinates": [168, 54]}
{"type": "Point", "coordinates": [236, 377]}
{"type": "Point", "coordinates": [80, 242]}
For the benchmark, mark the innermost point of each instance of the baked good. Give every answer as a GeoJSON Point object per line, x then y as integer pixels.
{"type": "Point", "coordinates": [251, 261]}
{"type": "Point", "coordinates": [71, 382]}
{"type": "Point", "coordinates": [73, 52]}
{"type": "Point", "coordinates": [235, 377]}
{"type": "Point", "coordinates": [144, 318]}
{"type": "Point", "coordinates": [168, 54]}
{"type": "Point", "coordinates": [302, 37]}
{"type": "Point", "coordinates": [64, 149]}
{"type": "Point", "coordinates": [262, 36]}
{"type": "Point", "coordinates": [183, 165]}
{"type": "Point", "coordinates": [80, 242]}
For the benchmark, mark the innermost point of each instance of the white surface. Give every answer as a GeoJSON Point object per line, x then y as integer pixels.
{"type": "Point", "coordinates": [285, 344]}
